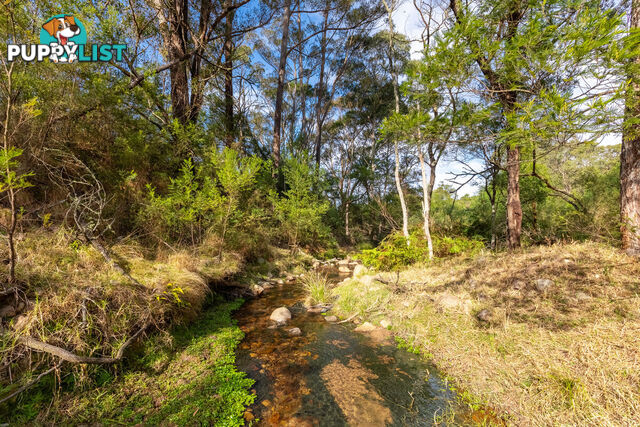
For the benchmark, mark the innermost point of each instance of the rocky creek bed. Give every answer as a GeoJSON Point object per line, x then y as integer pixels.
{"type": "Point", "coordinates": [310, 371]}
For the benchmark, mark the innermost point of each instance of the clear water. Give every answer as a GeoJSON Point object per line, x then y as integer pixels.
{"type": "Point", "coordinates": [331, 375]}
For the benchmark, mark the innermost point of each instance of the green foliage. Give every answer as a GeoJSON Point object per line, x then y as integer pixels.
{"type": "Point", "coordinates": [393, 253]}
{"type": "Point", "coordinates": [203, 198]}
{"type": "Point", "coordinates": [300, 209]}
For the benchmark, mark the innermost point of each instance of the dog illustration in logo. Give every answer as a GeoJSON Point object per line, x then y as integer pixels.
{"type": "Point", "coordinates": [62, 29]}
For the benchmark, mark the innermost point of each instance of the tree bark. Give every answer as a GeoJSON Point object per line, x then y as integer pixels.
{"type": "Point", "coordinates": [228, 79]}
{"type": "Point", "coordinates": [320, 87]}
{"type": "Point", "coordinates": [282, 71]}
{"type": "Point", "coordinates": [179, 18]}
{"type": "Point", "coordinates": [427, 188]}
{"type": "Point", "coordinates": [630, 153]}
{"type": "Point", "coordinates": [11, 227]}
{"type": "Point", "coordinates": [514, 207]}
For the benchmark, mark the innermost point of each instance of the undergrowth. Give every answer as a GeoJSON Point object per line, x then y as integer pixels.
{"type": "Point", "coordinates": [185, 377]}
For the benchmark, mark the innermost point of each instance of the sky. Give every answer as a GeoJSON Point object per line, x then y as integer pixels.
{"type": "Point", "coordinates": [408, 22]}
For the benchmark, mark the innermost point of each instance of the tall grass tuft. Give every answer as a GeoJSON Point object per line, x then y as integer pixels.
{"type": "Point", "coordinates": [317, 285]}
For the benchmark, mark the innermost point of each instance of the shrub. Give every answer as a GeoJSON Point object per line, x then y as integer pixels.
{"type": "Point", "coordinates": [393, 252]}
{"type": "Point", "coordinates": [300, 209]}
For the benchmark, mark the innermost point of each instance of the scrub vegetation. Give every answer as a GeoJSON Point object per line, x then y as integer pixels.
{"type": "Point", "coordinates": [482, 162]}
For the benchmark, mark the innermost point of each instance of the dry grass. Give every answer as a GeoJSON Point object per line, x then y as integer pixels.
{"type": "Point", "coordinates": [568, 355]}
{"type": "Point", "coordinates": [80, 303]}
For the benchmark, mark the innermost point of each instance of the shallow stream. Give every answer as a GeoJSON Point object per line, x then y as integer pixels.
{"type": "Point", "coordinates": [331, 375]}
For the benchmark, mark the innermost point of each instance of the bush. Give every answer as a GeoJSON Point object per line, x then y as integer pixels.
{"type": "Point", "coordinates": [393, 252]}
{"type": "Point", "coordinates": [300, 209]}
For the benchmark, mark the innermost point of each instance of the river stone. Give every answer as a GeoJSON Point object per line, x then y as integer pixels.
{"type": "Point", "coordinates": [256, 289]}
{"type": "Point", "coordinates": [294, 332]}
{"type": "Point", "coordinates": [385, 323]}
{"type": "Point", "coordinates": [543, 284]}
{"type": "Point", "coordinates": [331, 318]}
{"type": "Point", "coordinates": [280, 315]}
{"type": "Point", "coordinates": [359, 270]}
{"type": "Point", "coordinates": [280, 282]}
{"type": "Point", "coordinates": [365, 327]}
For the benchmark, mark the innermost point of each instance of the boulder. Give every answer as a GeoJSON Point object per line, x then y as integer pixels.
{"type": "Point", "coordinates": [452, 303]}
{"type": "Point", "coordinates": [294, 332]}
{"type": "Point", "coordinates": [385, 323]}
{"type": "Point", "coordinates": [281, 315]}
{"type": "Point", "coordinates": [256, 289]}
{"type": "Point", "coordinates": [543, 284]}
{"type": "Point", "coordinates": [359, 270]}
{"type": "Point", "coordinates": [365, 327]}
{"type": "Point", "coordinates": [484, 315]}
{"type": "Point", "coordinates": [331, 318]}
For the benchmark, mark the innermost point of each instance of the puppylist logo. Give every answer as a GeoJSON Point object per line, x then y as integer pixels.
{"type": "Point", "coordinates": [63, 38]}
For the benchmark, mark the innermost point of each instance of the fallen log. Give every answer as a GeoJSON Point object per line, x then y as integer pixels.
{"type": "Point", "coordinates": [68, 356]}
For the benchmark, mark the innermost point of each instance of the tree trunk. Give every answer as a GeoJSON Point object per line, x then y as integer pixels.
{"type": "Point", "coordinates": [320, 88]}
{"type": "Point", "coordinates": [396, 95]}
{"type": "Point", "coordinates": [228, 79]}
{"type": "Point", "coordinates": [282, 69]}
{"type": "Point", "coordinates": [177, 48]}
{"type": "Point", "coordinates": [630, 154]}
{"type": "Point", "coordinates": [514, 208]}
{"type": "Point", "coordinates": [492, 199]}
{"type": "Point", "coordinates": [426, 201]}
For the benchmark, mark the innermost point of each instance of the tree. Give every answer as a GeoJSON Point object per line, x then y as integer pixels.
{"type": "Point", "coordinates": [533, 59]}
{"type": "Point", "coordinates": [630, 152]}
{"type": "Point", "coordinates": [390, 6]}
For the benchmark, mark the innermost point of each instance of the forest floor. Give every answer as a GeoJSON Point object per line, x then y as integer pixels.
{"type": "Point", "coordinates": [181, 370]}
{"type": "Point", "coordinates": [544, 336]}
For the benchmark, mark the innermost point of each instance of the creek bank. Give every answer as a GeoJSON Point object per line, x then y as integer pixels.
{"type": "Point", "coordinates": [531, 333]}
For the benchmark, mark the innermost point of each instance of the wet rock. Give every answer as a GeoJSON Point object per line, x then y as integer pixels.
{"type": "Point", "coordinates": [484, 315]}
{"type": "Point", "coordinates": [280, 282]}
{"type": "Point", "coordinates": [256, 289]}
{"type": "Point", "coordinates": [331, 319]}
{"type": "Point", "coordinates": [265, 284]}
{"type": "Point", "coordinates": [543, 284]}
{"type": "Point", "coordinates": [365, 327]}
{"type": "Point", "coordinates": [281, 315]}
{"type": "Point", "coordinates": [294, 332]}
{"type": "Point", "coordinates": [359, 270]}
{"type": "Point", "coordinates": [385, 323]}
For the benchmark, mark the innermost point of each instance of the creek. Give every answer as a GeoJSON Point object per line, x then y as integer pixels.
{"type": "Point", "coordinates": [331, 375]}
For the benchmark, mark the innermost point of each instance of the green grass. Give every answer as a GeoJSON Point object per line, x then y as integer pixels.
{"type": "Point", "coordinates": [317, 286]}
{"type": "Point", "coordinates": [186, 377]}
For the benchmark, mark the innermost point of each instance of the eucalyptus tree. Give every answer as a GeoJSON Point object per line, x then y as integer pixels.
{"type": "Point", "coordinates": [630, 153]}
{"type": "Point", "coordinates": [546, 65]}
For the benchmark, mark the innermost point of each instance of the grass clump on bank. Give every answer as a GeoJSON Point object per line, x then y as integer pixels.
{"type": "Point", "coordinates": [317, 286]}
{"type": "Point", "coordinates": [547, 335]}
{"type": "Point", "coordinates": [184, 377]}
